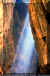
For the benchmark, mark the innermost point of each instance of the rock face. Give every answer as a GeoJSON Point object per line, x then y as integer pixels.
{"type": "Point", "coordinates": [1, 33]}
{"type": "Point", "coordinates": [46, 4]}
{"type": "Point", "coordinates": [8, 44]}
{"type": "Point", "coordinates": [6, 37]}
{"type": "Point", "coordinates": [39, 29]}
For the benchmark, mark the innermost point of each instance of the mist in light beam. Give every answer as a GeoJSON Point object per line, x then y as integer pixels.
{"type": "Point", "coordinates": [27, 48]}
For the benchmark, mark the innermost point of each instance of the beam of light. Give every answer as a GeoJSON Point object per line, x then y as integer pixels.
{"type": "Point", "coordinates": [24, 50]}
{"type": "Point", "coordinates": [27, 48]}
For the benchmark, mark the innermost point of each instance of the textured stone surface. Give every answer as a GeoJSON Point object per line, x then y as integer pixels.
{"type": "Point", "coordinates": [39, 29]}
